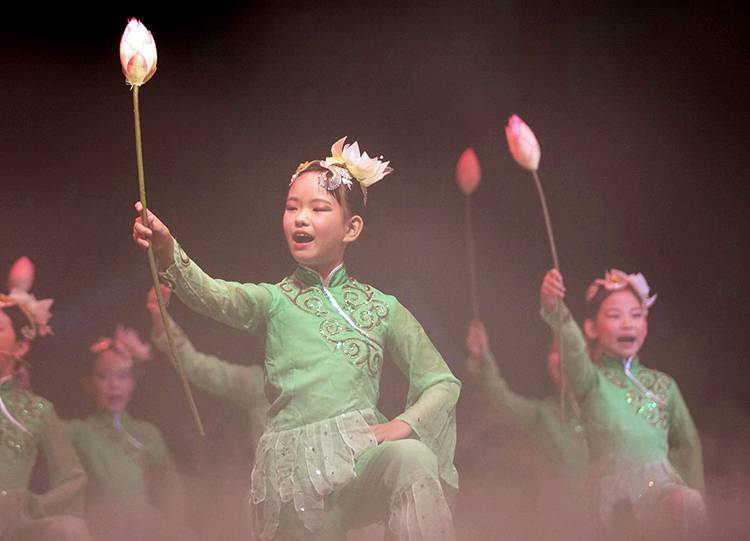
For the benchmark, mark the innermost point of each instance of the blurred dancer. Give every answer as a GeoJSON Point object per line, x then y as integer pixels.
{"type": "Point", "coordinates": [134, 491]}
{"type": "Point", "coordinates": [647, 470]}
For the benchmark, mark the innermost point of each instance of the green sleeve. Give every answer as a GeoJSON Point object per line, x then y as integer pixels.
{"type": "Point", "coordinates": [243, 306]}
{"type": "Point", "coordinates": [67, 478]}
{"type": "Point", "coordinates": [433, 389]}
{"type": "Point", "coordinates": [239, 384]}
{"type": "Point", "coordinates": [579, 372]}
{"type": "Point", "coordinates": [685, 452]}
{"type": "Point", "coordinates": [507, 407]}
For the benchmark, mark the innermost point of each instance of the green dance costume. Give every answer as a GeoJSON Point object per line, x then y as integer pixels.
{"type": "Point", "coordinates": [319, 470]}
{"type": "Point", "coordinates": [642, 440]}
{"type": "Point", "coordinates": [560, 443]}
{"type": "Point", "coordinates": [133, 489]}
{"type": "Point", "coordinates": [29, 424]}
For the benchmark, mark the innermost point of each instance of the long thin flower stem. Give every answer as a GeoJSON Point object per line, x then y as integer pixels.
{"type": "Point", "coordinates": [471, 258]}
{"type": "Point", "coordinates": [556, 262]}
{"type": "Point", "coordinates": [176, 361]}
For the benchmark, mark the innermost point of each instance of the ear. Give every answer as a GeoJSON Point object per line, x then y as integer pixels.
{"type": "Point", "coordinates": [589, 328]}
{"type": "Point", "coordinates": [353, 228]}
{"type": "Point", "coordinates": [22, 348]}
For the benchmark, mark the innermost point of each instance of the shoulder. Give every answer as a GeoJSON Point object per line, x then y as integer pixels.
{"type": "Point", "coordinates": [659, 382]}
{"type": "Point", "coordinates": [31, 408]}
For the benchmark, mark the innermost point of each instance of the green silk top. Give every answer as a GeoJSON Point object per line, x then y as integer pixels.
{"type": "Point", "coordinates": [42, 431]}
{"type": "Point", "coordinates": [128, 464]}
{"type": "Point", "coordinates": [628, 424]}
{"type": "Point", "coordinates": [562, 445]}
{"type": "Point", "coordinates": [241, 385]}
{"type": "Point", "coordinates": [325, 344]}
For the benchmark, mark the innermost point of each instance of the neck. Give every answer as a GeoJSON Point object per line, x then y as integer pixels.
{"type": "Point", "coordinates": [326, 271]}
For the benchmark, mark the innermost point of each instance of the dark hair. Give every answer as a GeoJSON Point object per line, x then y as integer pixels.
{"type": "Point", "coordinates": [18, 320]}
{"type": "Point", "coordinates": [593, 305]}
{"type": "Point", "coordinates": [352, 199]}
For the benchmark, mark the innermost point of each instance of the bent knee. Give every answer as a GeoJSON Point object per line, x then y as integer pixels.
{"type": "Point", "coordinates": [412, 457]}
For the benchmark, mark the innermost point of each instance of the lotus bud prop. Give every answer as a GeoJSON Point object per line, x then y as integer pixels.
{"type": "Point", "coordinates": [468, 176]}
{"type": "Point", "coordinates": [138, 60]}
{"type": "Point", "coordinates": [525, 149]}
{"type": "Point", "coordinates": [21, 275]}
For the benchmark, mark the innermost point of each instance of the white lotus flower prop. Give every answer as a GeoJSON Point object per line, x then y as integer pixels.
{"type": "Point", "coordinates": [137, 53]}
{"type": "Point", "coordinates": [365, 170]}
{"type": "Point", "coordinates": [38, 312]}
{"type": "Point", "coordinates": [21, 275]}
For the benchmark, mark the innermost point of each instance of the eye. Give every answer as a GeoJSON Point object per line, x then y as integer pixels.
{"type": "Point", "coordinates": [321, 209]}
{"type": "Point", "coordinates": [290, 208]}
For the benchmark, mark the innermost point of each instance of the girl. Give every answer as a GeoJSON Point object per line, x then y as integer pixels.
{"type": "Point", "coordinates": [329, 460]}
{"type": "Point", "coordinates": [29, 424]}
{"type": "Point", "coordinates": [647, 470]}
{"type": "Point", "coordinates": [559, 440]}
{"type": "Point", "coordinates": [133, 490]}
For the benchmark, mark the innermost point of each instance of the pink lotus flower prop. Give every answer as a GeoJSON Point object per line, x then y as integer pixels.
{"type": "Point", "coordinates": [138, 60]}
{"type": "Point", "coordinates": [21, 275]}
{"type": "Point", "coordinates": [468, 176]}
{"type": "Point", "coordinates": [468, 172]}
{"type": "Point", "coordinates": [137, 53]}
{"type": "Point", "coordinates": [522, 143]}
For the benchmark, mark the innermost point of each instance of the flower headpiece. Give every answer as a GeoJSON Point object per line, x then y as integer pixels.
{"type": "Point", "coordinates": [20, 280]}
{"type": "Point", "coordinates": [616, 279]}
{"type": "Point", "coordinates": [345, 165]}
{"type": "Point", "coordinates": [125, 341]}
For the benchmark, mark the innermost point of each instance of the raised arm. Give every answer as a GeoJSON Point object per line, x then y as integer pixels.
{"type": "Point", "coordinates": [433, 389]}
{"type": "Point", "coordinates": [580, 373]}
{"type": "Point", "coordinates": [239, 305]}
{"type": "Point", "coordinates": [508, 408]}
{"type": "Point", "coordinates": [241, 385]}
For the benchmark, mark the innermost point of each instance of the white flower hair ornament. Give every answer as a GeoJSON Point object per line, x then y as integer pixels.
{"type": "Point", "coordinates": [127, 342]}
{"type": "Point", "coordinates": [20, 280]}
{"type": "Point", "coordinates": [347, 164]}
{"type": "Point", "coordinates": [616, 279]}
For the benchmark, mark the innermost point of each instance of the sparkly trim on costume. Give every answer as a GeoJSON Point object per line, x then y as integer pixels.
{"type": "Point", "coordinates": [21, 413]}
{"type": "Point", "coordinates": [361, 312]}
{"type": "Point", "coordinates": [305, 464]}
{"type": "Point", "coordinates": [649, 404]}
{"type": "Point", "coordinates": [420, 513]}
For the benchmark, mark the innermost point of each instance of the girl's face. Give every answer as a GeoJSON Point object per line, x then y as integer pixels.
{"type": "Point", "coordinates": [10, 346]}
{"type": "Point", "coordinates": [621, 325]}
{"type": "Point", "coordinates": [316, 226]}
{"type": "Point", "coordinates": [112, 381]}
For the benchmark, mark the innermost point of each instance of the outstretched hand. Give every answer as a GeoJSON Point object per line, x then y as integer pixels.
{"type": "Point", "coordinates": [552, 290]}
{"type": "Point", "coordinates": [392, 430]}
{"type": "Point", "coordinates": [155, 233]}
{"type": "Point", "coordinates": [477, 343]}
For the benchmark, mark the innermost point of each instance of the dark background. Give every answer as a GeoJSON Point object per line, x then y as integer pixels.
{"type": "Point", "coordinates": [640, 109]}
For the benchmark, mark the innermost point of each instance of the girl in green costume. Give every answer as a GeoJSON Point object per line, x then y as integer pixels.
{"type": "Point", "coordinates": [329, 460]}
{"type": "Point", "coordinates": [647, 470]}
{"type": "Point", "coordinates": [558, 437]}
{"type": "Point", "coordinates": [133, 490]}
{"type": "Point", "coordinates": [28, 425]}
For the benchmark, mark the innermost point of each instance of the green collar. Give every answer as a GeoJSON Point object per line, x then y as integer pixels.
{"type": "Point", "coordinates": [8, 385]}
{"type": "Point", "coordinates": [309, 277]}
{"type": "Point", "coordinates": [614, 362]}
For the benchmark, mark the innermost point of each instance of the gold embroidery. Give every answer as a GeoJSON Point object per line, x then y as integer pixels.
{"type": "Point", "coordinates": [360, 305]}
{"type": "Point", "coordinates": [642, 405]}
{"type": "Point", "coordinates": [27, 410]}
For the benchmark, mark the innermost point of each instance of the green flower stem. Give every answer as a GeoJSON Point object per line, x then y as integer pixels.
{"type": "Point", "coordinates": [471, 258]}
{"type": "Point", "coordinates": [176, 361]}
{"type": "Point", "coordinates": [555, 261]}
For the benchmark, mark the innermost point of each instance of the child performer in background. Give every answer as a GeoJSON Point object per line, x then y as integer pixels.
{"type": "Point", "coordinates": [225, 510]}
{"type": "Point", "coordinates": [29, 424]}
{"type": "Point", "coordinates": [647, 470]}
{"type": "Point", "coordinates": [133, 490]}
{"type": "Point", "coordinates": [329, 461]}
{"type": "Point", "coordinates": [560, 441]}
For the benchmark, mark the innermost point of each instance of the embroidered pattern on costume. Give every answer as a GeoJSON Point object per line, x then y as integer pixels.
{"type": "Point", "coordinates": [28, 412]}
{"type": "Point", "coordinates": [360, 304]}
{"type": "Point", "coordinates": [656, 382]}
